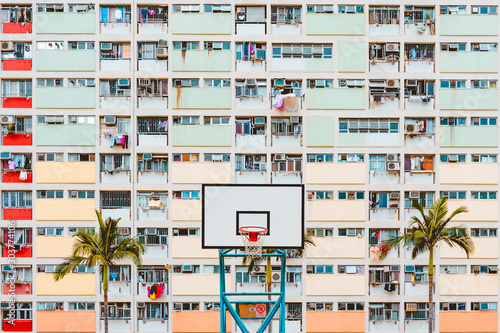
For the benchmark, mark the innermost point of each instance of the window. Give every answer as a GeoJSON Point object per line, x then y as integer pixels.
{"type": "Point", "coordinates": [115, 51]}
{"type": "Point", "coordinates": [384, 15]}
{"type": "Point", "coordinates": [74, 231]}
{"type": "Point", "coordinates": [217, 157]}
{"type": "Point", "coordinates": [323, 51]}
{"type": "Point", "coordinates": [21, 311]}
{"type": "Point", "coordinates": [115, 163]}
{"type": "Point", "coordinates": [484, 47]}
{"type": "Point", "coordinates": [476, 269]}
{"type": "Point", "coordinates": [281, 86]}
{"type": "Point", "coordinates": [453, 10]}
{"type": "Point", "coordinates": [320, 232]}
{"type": "Point", "coordinates": [453, 84]}
{"type": "Point", "coordinates": [285, 15]}
{"type": "Point", "coordinates": [50, 8]}
{"type": "Point", "coordinates": [419, 163]}
{"type": "Point", "coordinates": [483, 195]}
{"type": "Point", "coordinates": [446, 306]}
{"type": "Point", "coordinates": [12, 273]}
{"type": "Point", "coordinates": [217, 83]}
{"type": "Point", "coordinates": [384, 311]}
{"type": "Point", "coordinates": [426, 199]}
{"type": "Point", "coordinates": [52, 45]}
{"type": "Point", "coordinates": [418, 14]}
{"type": "Point", "coordinates": [16, 88]}
{"type": "Point", "coordinates": [378, 162]}
{"type": "Point", "coordinates": [49, 82]}
{"type": "Point", "coordinates": [286, 126]}
{"type": "Point", "coordinates": [186, 8]}
{"type": "Point", "coordinates": [115, 200]}
{"type": "Point", "coordinates": [251, 126]}
{"type": "Point", "coordinates": [81, 120]}
{"type": "Point", "coordinates": [16, 14]}
{"type": "Point", "coordinates": [484, 158]}
{"type": "Point", "coordinates": [85, 306]}
{"type": "Point", "coordinates": [81, 8]}
{"type": "Point", "coordinates": [45, 306]}
{"type": "Point", "coordinates": [351, 306]}
{"type": "Point", "coordinates": [21, 162]}
{"type": "Point", "coordinates": [452, 158]}
{"type": "Point", "coordinates": [415, 52]}
{"type": "Point", "coordinates": [49, 194]}
{"type": "Point", "coordinates": [152, 200]}
{"type": "Point", "coordinates": [319, 157]}
{"type": "Point", "coordinates": [157, 163]}
{"type": "Point", "coordinates": [186, 232]}
{"type": "Point", "coordinates": [351, 9]}
{"type": "Point", "coordinates": [18, 236]}
{"type": "Point", "coordinates": [250, 88]}
{"type": "Point", "coordinates": [483, 232]}
{"type": "Point", "coordinates": [186, 306]}
{"type": "Point", "coordinates": [16, 199]}
{"type": "Point", "coordinates": [482, 10]}
{"type": "Point", "coordinates": [81, 157]}
{"type": "Point", "coordinates": [287, 163]}
{"type": "Point", "coordinates": [22, 125]}
{"type": "Point", "coordinates": [81, 195]}
{"type": "Point", "coordinates": [216, 120]}
{"type": "Point", "coordinates": [217, 8]}
{"type": "Point", "coordinates": [117, 311]}
{"type": "Point", "coordinates": [317, 306]}
{"type": "Point", "coordinates": [186, 157]}
{"type": "Point", "coordinates": [476, 121]}
{"type": "Point", "coordinates": [416, 274]}
{"type": "Point", "coordinates": [186, 195]}
{"type": "Point", "coordinates": [186, 120]}
{"type": "Point", "coordinates": [351, 269]}
{"type": "Point", "coordinates": [384, 275]}
{"type": "Point", "coordinates": [351, 158]}
{"type": "Point", "coordinates": [82, 269]}
{"type": "Point", "coordinates": [81, 46]}
{"type": "Point", "coordinates": [211, 46]}
{"type": "Point", "coordinates": [320, 195]}
{"type": "Point", "coordinates": [152, 14]}
{"type": "Point", "coordinates": [320, 9]}
{"type": "Point", "coordinates": [474, 306]}
{"type": "Point", "coordinates": [250, 51]}
{"type": "Point", "coordinates": [120, 87]}
{"type": "Point", "coordinates": [359, 232]}
{"type": "Point", "coordinates": [152, 125]}
{"type": "Point", "coordinates": [147, 51]}
{"type": "Point", "coordinates": [119, 273]}
{"type": "Point", "coordinates": [212, 306]}
{"type": "Point", "coordinates": [46, 268]}
{"type": "Point", "coordinates": [112, 14]}
{"type": "Point", "coordinates": [186, 46]}
{"type": "Point", "coordinates": [50, 231]}
{"type": "Point", "coordinates": [379, 236]}
{"type": "Point", "coordinates": [453, 195]}
{"type": "Point", "coordinates": [416, 311]}
{"type": "Point", "coordinates": [351, 195]}
{"type": "Point", "coordinates": [215, 269]}
{"type": "Point", "coordinates": [452, 121]}
{"type": "Point", "coordinates": [152, 236]}
{"type": "Point", "coordinates": [152, 88]}
{"type": "Point", "coordinates": [153, 311]}
{"type": "Point", "coordinates": [484, 84]}
{"type": "Point", "coordinates": [319, 269]}
{"type": "Point", "coordinates": [154, 274]}
{"type": "Point", "coordinates": [452, 269]}
{"type": "Point", "coordinates": [372, 125]}
{"type": "Point", "coordinates": [251, 163]}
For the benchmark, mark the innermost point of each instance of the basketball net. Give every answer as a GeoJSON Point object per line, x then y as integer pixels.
{"type": "Point", "coordinates": [253, 240]}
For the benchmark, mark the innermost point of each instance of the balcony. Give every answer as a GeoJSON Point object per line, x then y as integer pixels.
{"type": "Point", "coordinates": [65, 321]}
{"type": "Point", "coordinates": [335, 285]}
{"type": "Point", "coordinates": [486, 248]}
{"type": "Point", "coordinates": [115, 65]}
{"type": "Point", "coordinates": [302, 64]}
{"type": "Point", "coordinates": [201, 172]}
{"type": "Point", "coordinates": [468, 25]}
{"type": "Point", "coordinates": [197, 322]}
{"type": "Point", "coordinates": [420, 103]}
{"type": "Point", "coordinates": [250, 140]}
{"type": "Point", "coordinates": [384, 214]}
{"type": "Point", "coordinates": [20, 288]}
{"type": "Point", "coordinates": [469, 136]}
{"type": "Point", "coordinates": [152, 177]}
{"type": "Point", "coordinates": [468, 99]}
{"type": "Point", "coordinates": [351, 247]}
{"type": "Point", "coordinates": [201, 135]}
{"type": "Point", "coordinates": [335, 322]}
{"type": "Point", "coordinates": [65, 60]}
{"type": "Point", "coordinates": [384, 177]}
{"type": "Point", "coordinates": [335, 24]}
{"type": "Point", "coordinates": [65, 23]}
{"type": "Point", "coordinates": [65, 172]}
{"type": "Point", "coordinates": [198, 284]}
{"type": "Point", "coordinates": [17, 28]}
{"type": "Point", "coordinates": [369, 139]}
{"type": "Point", "coordinates": [16, 64]}
{"type": "Point", "coordinates": [320, 131]}
{"type": "Point", "coordinates": [65, 209]}
{"type": "Point", "coordinates": [65, 98]}
{"type": "Point", "coordinates": [189, 247]}
{"type": "Point", "coordinates": [17, 214]}
{"type": "Point", "coordinates": [13, 102]}
{"type": "Point", "coordinates": [186, 210]}
{"type": "Point", "coordinates": [74, 284]}
{"type": "Point", "coordinates": [152, 102]}
{"type": "Point", "coordinates": [22, 251]}
{"type": "Point", "coordinates": [201, 60]}
{"type": "Point", "coordinates": [116, 176]}
{"type": "Point", "coordinates": [468, 61]}
{"type": "Point", "coordinates": [54, 246]}
{"type": "Point", "coordinates": [13, 176]}
{"type": "Point", "coordinates": [118, 288]}
{"type": "Point", "coordinates": [17, 139]}
{"type": "Point", "coordinates": [324, 173]}
{"type": "Point", "coordinates": [124, 213]}
{"type": "Point", "coordinates": [65, 135]}
{"type": "Point", "coordinates": [152, 325]}
{"type": "Point", "coordinates": [468, 285]}
{"type": "Point", "coordinates": [201, 98]}
{"type": "Point", "coordinates": [351, 56]}
{"type": "Point", "coordinates": [419, 66]}
{"type": "Point", "coordinates": [468, 173]}
{"type": "Point", "coordinates": [286, 177]}
{"type": "Point", "coordinates": [335, 99]}
{"type": "Point", "coordinates": [336, 210]}
{"type": "Point", "coordinates": [19, 325]}
{"type": "Point", "coordinates": [201, 23]}
{"type": "Point", "coordinates": [468, 321]}
{"type": "Point", "coordinates": [251, 177]}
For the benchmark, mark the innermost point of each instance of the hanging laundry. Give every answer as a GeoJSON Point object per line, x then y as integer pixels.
{"type": "Point", "coordinates": [290, 102]}
{"type": "Point", "coordinates": [144, 13]}
{"type": "Point", "coordinates": [11, 164]}
{"type": "Point", "coordinates": [279, 102]}
{"type": "Point", "coordinates": [23, 175]}
{"type": "Point", "coordinates": [151, 12]}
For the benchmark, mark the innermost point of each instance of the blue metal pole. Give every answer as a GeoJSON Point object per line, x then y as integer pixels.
{"type": "Point", "coordinates": [236, 317]}
{"type": "Point", "coordinates": [282, 289]}
{"type": "Point", "coordinates": [222, 304]}
{"type": "Point", "coordinates": [270, 315]}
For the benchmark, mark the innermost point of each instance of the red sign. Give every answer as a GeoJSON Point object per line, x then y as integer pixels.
{"type": "Point", "coordinates": [260, 311]}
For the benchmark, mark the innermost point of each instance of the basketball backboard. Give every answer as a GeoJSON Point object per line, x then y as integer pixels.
{"type": "Point", "coordinates": [226, 208]}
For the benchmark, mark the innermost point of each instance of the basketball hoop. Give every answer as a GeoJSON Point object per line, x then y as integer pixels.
{"type": "Point", "coordinates": [253, 239]}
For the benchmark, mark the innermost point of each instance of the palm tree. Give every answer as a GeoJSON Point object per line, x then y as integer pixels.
{"type": "Point", "coordinates": [102, 249]}
{"type": "Point", "coordinates": [254, 261]}
{"type": "Point", "coordinates": [428, 231]}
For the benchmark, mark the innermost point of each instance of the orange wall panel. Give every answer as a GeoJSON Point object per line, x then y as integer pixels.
{"type": "Point", "coordinates": [335, 321]}
{"type": "Point", "coordinates": [468, 321]}
{"type": "Point", "coordinates": [198, 321]}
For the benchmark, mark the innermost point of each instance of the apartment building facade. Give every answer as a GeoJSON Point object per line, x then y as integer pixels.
{"type": "Point", "coordinates": [129, 107]}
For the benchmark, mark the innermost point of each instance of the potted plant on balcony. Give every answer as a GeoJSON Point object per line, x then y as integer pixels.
{"type": "Point", "coordinates": [426, 232]}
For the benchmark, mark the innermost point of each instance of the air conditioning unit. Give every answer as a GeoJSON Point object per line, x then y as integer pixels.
{"type": "Point", "coordinates": [410, 128]}
{"type": "Point", "coordinates": [393, 166]}
{"type": "Point", "coordinates": [187, 268]}
{"type": "Point", "coordinates": [392, 47]}
{"type": "Point", "coordinates": [8, 120]}
{"type": "Point", "coordinates": [411, 306]}
{"type": "Point", "coordinates": [445, 194]}
{"type": "Point", "coordinates": [414, 195]}
{"type": "Point", "coordinates": [144, 82]}
{"type": "Point", "coordinates": [7, 46]}
{"type": "Point", "coordinates": [279, 157]}
{"type": "Point", "coordinates": [294, 120]}
{"type": "Point", "coordinates": [123, 82]}
{"type": "Point", "coordinates": [54, 120]}
{"type": "Point", "coordinates": [161, 52]}
{"type": "Point", "coordinates": [73, 194]}
{"type": "Point", "coordinates": [250, 82]}
{"type": "Point", "coordinates": [394, 196]}
{"type": "Point", "coordinates": [241, 14]}
{"type": "Point", "coordinates": [109, 120]}
{"type": "Point", "coordinates": [411, 83]}
{"type": "Point", "coordinates": [394, 268]}
{"type": "Point", "coordinates": [392, 83]}
{"type": "Point", "coordinates": [392, 157]}
{"type": "Point", "coordinates": [320, 83]}
{"type": "Point", "coordinates": [5, 155]}
{"type": "Point", "coordinates": [452, 158]}
{"type": "Point", "coordinates": [150, 231]}
{"type": "Point", "coordinates": [147, 156]}
{"type": "Point", "coordinates": [276, 277]}
{"type": "Point", "coordinates": [141, 305]}
{"type": "Point", "coordinates": [106, 46]}
{"type": "Point", "coordinates": [351, 195]}
{"type": "Point", "coordinates": [163, 43]}
{"type": "Point", "coordinates": [259, 120]}
{"type": "Point", "coordinates": [279, 83]}
{"type": "Point", "coordinates": [258, 270]}
{"type": "Point", "coordinates": [409, 268]}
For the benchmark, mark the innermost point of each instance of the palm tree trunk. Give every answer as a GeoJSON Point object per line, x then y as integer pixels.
{"type": "Point", "coordinates": [431, 289]}
{"type": "Point", "coordinates": [105, 290]}
{"type": "Point", "coordinates": [268, 283]}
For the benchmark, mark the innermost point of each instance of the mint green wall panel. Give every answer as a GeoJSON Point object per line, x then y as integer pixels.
{"type": "Point", "coordinates": [201, 60]}
{"type": "Point", "coordinates": [352, 56]}
{"type": "Point", "coordinates": [335, 24]}
{"type": "Point", "coordinates": [65, 23]}
{"type": "Point", "coordinates": [468, 99]}
{"type": "Point", "coordinates": [319, 131]}
{"type": "Point", "coordinates": [335, 98]}
{"type": "Point", "coordinates": [352, 139]}
{"type": "Point", "coordinates": [469, 136]}
{"type": "Point", "coordinates": [201, 23]}
{"type": "Point", "coordinates": [65, 60]}
{"type": "Point", "coordinates": [468, 62]}
{"type": "Point", "coordinates": [468, 25]}
{"type": "Point", "coordinates": [318, 65]}
{"type": "Point", "coordinates": [201, 135]}
{"type": "Point", "coordinates": [201, 98]}
{"type": "Point", "coordinates": [65, 135]}
{"type": "Point", "coordinates": [65, 97]}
